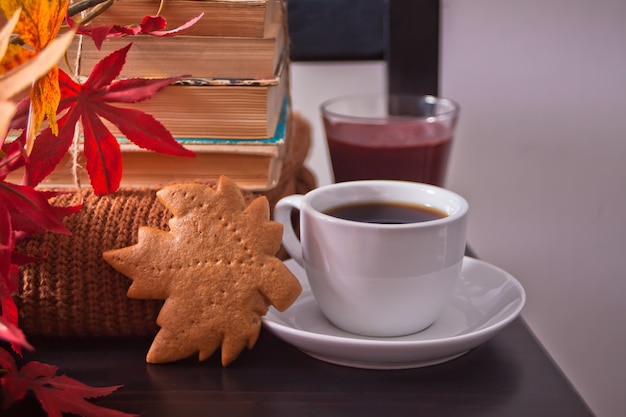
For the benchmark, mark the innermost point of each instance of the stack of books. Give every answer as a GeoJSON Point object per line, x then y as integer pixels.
{"type": "Point", "coordinates": [232, 110]}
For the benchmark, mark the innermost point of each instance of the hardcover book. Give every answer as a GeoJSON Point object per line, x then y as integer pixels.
{"type": "Point", "coordinates": [241, 18]}
{"type": "Point", "coordinates": [253, 164]}
{"type": "Point", "coordinates": [193, 55]}
{"type": "Point", "coordinates": [222, 108]}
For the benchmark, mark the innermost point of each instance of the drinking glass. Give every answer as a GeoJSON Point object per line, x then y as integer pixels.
{"type": "Point", "coordinates": [390, 137]}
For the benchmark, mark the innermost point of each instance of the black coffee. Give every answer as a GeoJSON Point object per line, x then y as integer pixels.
{"type": "Point", "coordinates": [386, 213]}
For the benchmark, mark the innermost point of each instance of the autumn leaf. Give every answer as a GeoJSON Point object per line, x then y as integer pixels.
{"type": "Point", "coordinates": [18, 203]}
{"type": "Point", "coordinates": [7, 31]}
{"type": "Point", "coordinates": [11, 157]}
{"type": "Point", "coordinates": [24, 212]}
{"type": "Point", "coordinates": [18, 78]}
{"type": "Point", "coordinates": [57, 394]}
{"type": "Point", "coordinates": [12, 334]}
{"type": "Point", "coordinates": [150, 25]}
{"type": "Point", "coordinates": [30, 209]}
{"type": "Point", "coordinates": [87, 103]}
{"type": "Point", "coordinates": [8, 278]}
{"type": "Point", "coordinates": [37, 27]}
{"type": "Point", "coordinates": [216, 268]}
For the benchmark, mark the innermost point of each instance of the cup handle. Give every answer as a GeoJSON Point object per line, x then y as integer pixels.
{"type": "Point", "coordinates": [282, 213]}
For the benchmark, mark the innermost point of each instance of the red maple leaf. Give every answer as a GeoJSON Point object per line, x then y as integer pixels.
{"type": "Point", "coordinates": [24, 212]}
{"type": "Point", "coordinates": [87, 103]}
{"type": "Point", "coordinates": [57, 394]}
{"type": "Point", "coordinates": [8, 279]}
{"type": "Point", "coordinates": [150, 25]}
{"type": "Point", "coordinates": [13, 334]}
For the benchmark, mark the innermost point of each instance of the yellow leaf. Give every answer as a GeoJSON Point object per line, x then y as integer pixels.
{"type": "Point", "coordinates": [14, 56]}
{"type": "Point", "coordinates": [23, 76]}
{"type": "Point", "coordinates": [15, 81]}
{"type": "Point", "coordinates": [45, 91]}
{"type": "Point", "coordinates": [40, 20]}
{"type": "Point", "coordinates": [38, 25]}
{"type": "Point", "coordinates": [7, 108]}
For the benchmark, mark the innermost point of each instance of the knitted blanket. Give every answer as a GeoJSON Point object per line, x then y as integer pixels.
{"type": "Point", "coordinates": [73, 292]}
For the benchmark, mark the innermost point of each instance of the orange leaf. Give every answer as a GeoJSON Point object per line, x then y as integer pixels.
{"type": "Point", "coordinates": [38, 25]}
{"type": "Point", "coordinates": [45, 92]}
{"type": "Point", "coordinates": [22, 76]}
{"type": "Point", "coordinates": [40, 20]}
{"type": "Point", "coordinates": [14, 56]}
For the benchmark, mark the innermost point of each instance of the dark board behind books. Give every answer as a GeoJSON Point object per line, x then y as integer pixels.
{"type": "Point", "coordinates": [403, 32]}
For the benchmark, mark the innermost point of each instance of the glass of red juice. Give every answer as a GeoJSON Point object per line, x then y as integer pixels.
{"type": "Point", "coordinates": [391, 137]}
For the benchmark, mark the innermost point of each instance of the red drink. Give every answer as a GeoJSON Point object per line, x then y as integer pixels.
{"type": "Point", "coordinates": [390, 137]}
{"type": "Point", "coordinates": [398, 150]}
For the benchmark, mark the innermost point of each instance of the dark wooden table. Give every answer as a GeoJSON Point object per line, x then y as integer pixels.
{"type": "Point", "coordinates": [510, 375]}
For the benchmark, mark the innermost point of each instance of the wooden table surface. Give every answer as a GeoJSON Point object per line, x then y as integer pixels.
{"type": "Point", "coordinates": [510, 375]}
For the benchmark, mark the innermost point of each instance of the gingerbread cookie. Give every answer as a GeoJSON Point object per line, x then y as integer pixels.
{"type": "Point", "coordinates": [215, 268]}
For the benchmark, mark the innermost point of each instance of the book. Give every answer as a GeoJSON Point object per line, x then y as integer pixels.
{"type": "Point", "coordinates": [242, 18]}
{"type": "Point", "coordinates": [230, 109]}
{"type": "Point", "coordinates": [193, 56]}
{"type": "Point", "coordinates": [253, 164]}
{"type": "Point", "coordinates": [222, 108]}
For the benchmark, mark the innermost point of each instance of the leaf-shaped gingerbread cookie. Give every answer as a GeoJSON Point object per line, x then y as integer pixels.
{"type": "Point", "coordinates": [215, 269]}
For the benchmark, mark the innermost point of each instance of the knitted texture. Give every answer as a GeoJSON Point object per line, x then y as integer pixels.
{"type": "Point", "coordinates": [73, 292]}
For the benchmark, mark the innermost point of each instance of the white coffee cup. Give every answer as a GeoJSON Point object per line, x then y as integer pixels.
{"type": "Point", "coordinates": [377, 279]}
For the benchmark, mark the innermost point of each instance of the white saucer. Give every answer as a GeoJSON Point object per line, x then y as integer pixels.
{"type": "Point", "coordinates": [485, 300]}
